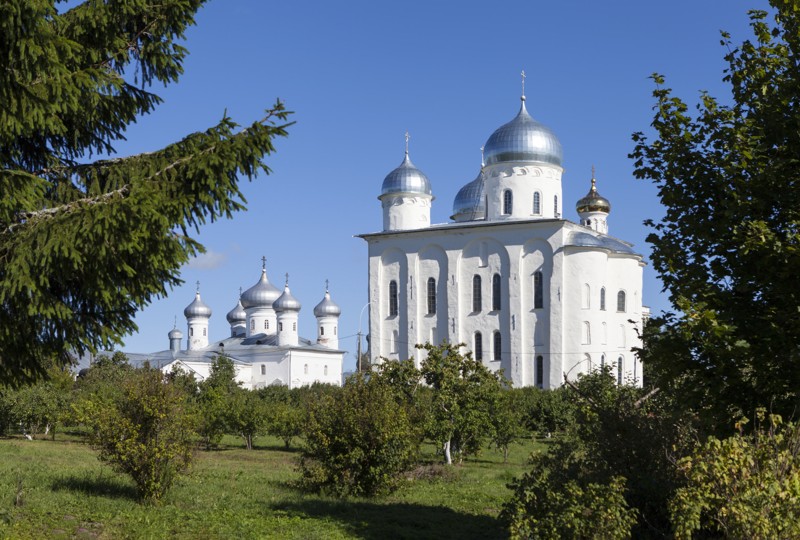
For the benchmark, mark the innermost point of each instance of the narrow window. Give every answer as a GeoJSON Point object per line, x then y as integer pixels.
{"type": "Point", "coordinates": [334, 330]}
{"type": "Point", "coordinates": [621, 301]}
{"type": "Point", "coordinates": [263, 369]}
{"type": "Point", "coordinates": [431, 296]}
{"type": "Point", "coordinates": [294, 327]}
{"type": "Point", "coordinates": [392, 298]}
{"type": "Point", "coordinates": [478, 346]}
{"type": "Point", "coordinates": [476, 293]}
{"type": "Point", "coordinates": [434, 340]}
{"type": "Point", "coordinates": [587, 333]}
{"type": "Point", "coordinates": [191, 332]}
{"type": "Point", "coordinates": [537, 203]}
{"type": "Point", "coordinates": [621, 335]}
{"type": "Point", "coordinates": [305, 369]}
{"type": "Point", "coordinates": [602, 361]}
{"type": "Point", "coordinates": [507, 202]}
{"type": "Point", "coordinates": [265, 325]}
{"type": "Point", "coordinates": [603, 299]}
{"type": "Point", "coordinates": [204, 331]}
{"type": "Point", "coordinates": [555, 206]}
{"type": "Point", "coordinates": [322, 330]}
{"type": "Point", "coordinates": [538, 291]}
{"type": "Point", "coordinates": [540, 371]}
{"type": "Point", "coordinates": [280, 327]}
{"type": "Point", "coordinates": [619, 370]}
{"type": "Point", "coordinates": [326, 370]}
{"type": "Point", "coordinates": [498, 346]}
{"type": "Point", "coordinates": [395, 341]}
{"type": "Point", "coordinates": [496, 304]}
{"type": "Point", "coordinates": [587, 296]}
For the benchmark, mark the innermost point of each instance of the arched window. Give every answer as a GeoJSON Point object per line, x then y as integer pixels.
{"type": "Point", "coordinates": [431, 296]}
{"type": "Point", "coordinates": [395, 341]}
{"type": "Point", "coordinates": [477, 302]}
{"type": "Point", "coordinates": [537, 203]}
{"type": "Point", "coordinates": [539, 371]}
{"type": "Point", "coordinates": [587, 296]}
{"type": "Point", "coordinates": [619, 370]}
{"type": "Point", "coordinates": [478, 349]}
{"type": "Point", "coordinates": [621, 301]}
{"type": "Point", "coordinates": [603, 299]}
{"type": "Point", "coordinates": [587, 333]}
{"type": "Point", "coordinates": [263, 369]}
{"type": "Point", "coordinates": [508, 202]}
{"type": "Point", "coordinates": [538, 290]}
{"type": "Point", "coordinates": [322, 330]}
{"type": "Point", "coordinates": [622, 335]}
{"type": "Point", "coordinates": [587, 359]}
{"type": "Point", "coordinates": [496, 304]}
{"type": "Point", "coordinates": [498, 347]}
{"type": "Point", "coordinates": [602, 361]}
{"type": "Point", "coordinates": [392, 298]}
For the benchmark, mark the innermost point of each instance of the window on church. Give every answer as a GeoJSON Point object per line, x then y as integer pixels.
{"type": "Point", "coordinates": [537, 203]}
{"type": "Point", "coordinates": [395, 341]}
{"type": "Point", "coordinates": [477, 303]}
{"type": "Point", "coordinates": [587, 296]}
{"type": "Point", "coordinates": [478, 349]}
{"type": "Point", "coordinates": [431, 296]}
{"type": "Point", "coordinates": [305, 369]}
{"type": "Point", "coordinates": [496, 303]}
{"type": "Point", "coordinates": [392, 298]}
{"type": "Point", "coordinates": [622, 335]}
{"type": "Point", "coordinates": [498, 347]}
{"type": "Point", "coordinates": [539, 371]}
{"type": "Point", "coordinates": [266, 327]}
{"type": "Point", "coordinates": [191, 331]}
{"type": "Point", "coordinates": [263, 369]}
{"type": "Point", "coordinates": [326, 370]}
{"type": "Point", "coordinates": [538, 290]}
{"type": "Point", "coordinates": [294, 327]}
{"type": "Point", "coordinates": [621, 301]}
{"type": "Point", "coordinates": [619, 370]}
{"type": "Point", "coordinates": [587, 333]}
{"type": "Point", "coordinates": [322, 330]}
{"type": "Point", "coordinates": [508, 202]}
{"type": "Point", "coordinates": [603, 299]}
{"type": "Point", "coordinates": [602, 361]}
{"type": "Point", "coordinates": [280, 327]}
{"type": "Point", "coordinates": [555, 206]}
{"type": "Point", "coordinates": [334, 330]}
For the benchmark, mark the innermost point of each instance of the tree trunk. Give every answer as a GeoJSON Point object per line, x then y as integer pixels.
{"type": "Point", "coordinates": [448, 459]}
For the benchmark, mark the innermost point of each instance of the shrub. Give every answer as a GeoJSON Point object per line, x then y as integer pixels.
{"type": "Point", "coordinates": [357, 443]}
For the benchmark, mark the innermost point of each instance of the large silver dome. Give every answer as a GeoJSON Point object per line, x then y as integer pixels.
{"type": "Point", "coordinates": [327, 307]}
{"type": "Point", "coordinates": [237, 314]}
{"type": "Point", "coordinates": [197, 308]}
{"type": "Point", "coordinates": [262, 294]}
{"type": "Point", "coordinates": [406, 179]}
{"type": "Point", "coordinates": [286, 302]}
{"type": "Point", "coordinates": [469, 202]}
{"type": "Point", "coordinates": [523, 139]}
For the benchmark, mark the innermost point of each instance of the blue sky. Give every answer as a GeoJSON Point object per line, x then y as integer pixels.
{"type": "Point", "coordinates": [360, 74]}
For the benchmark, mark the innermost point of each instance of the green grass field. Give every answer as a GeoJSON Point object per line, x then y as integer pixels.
{"type": "Point", "coordinates": [58, 489]}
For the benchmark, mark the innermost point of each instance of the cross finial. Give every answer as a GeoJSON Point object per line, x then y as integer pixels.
{"type": "Point", "coordinates": [175, 322]}
{"type": "Point", "coordinates": [287, 279]}
{"type": "Point", "coordinates": [594, 182]}
{"type": "Point", "coordinates": [326, 285]}
{"type": "Point", "coordinates": [263, 262]}
{"type": "Point", "coordinates": [407, 137]}
{"type": "Point", "coordinates": [198, 285]}
{"type": "Point", "coordinates": [240, 292]}
{"type": "Point", "coordinates": [523, 84]}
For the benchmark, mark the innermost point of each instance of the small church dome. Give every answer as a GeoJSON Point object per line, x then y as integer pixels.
{"type": "Point", "coordinates": [469, 202]}
{"type": "Point", "coordinates": [523, 139]}
{"type": "Point", "coordinates": [406, 179]}
{"type": "Point", "coordinates": [197, 308]}
{"type": "Point", "coordinates": [593, 201]}
{"type": "Point", "coordinates": [327, 307]}
{"type": "Point", "coordinates": [286, 302]}
{"type": "Point", "coordinates": [175, 334]}
{"type": "Point", "coordinates": [262, 294]}
{"type": "Point", "coordinates": [237, 314]}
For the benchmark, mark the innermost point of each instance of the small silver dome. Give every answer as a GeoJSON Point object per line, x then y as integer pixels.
{"type": "Point", "coordinates": [286, 302]}
{"type": "Point", "coordinates": [469, 202]}
{"type": "Point", "coordinates": [593, 201]}
{"type": "Point", "coordinates": [406, 179]}
{"type": "Point", "coordinates": [175, 334]}
{"type": "Point", "coordinates": [237, 314]}
{"type": "Point", "coordinates": [262, 294]}
{"type": "Point", "coordinates": [327, 307]}
{"type": "Point", "coordinates": [197, 308]}
{"type": "Point", "coordinates": [523, 139]}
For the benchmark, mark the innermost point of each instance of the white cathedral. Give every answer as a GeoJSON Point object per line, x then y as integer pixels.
{"type": "Point", "coordinates": [524, 289]}
{"type": "Point", "coordinates": [264, 344]}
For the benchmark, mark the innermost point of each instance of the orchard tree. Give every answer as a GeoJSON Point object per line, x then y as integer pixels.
{"type": "Point", "coordinates": [85, 243]}
{"type": "Point", "coordinates": [728, 248]}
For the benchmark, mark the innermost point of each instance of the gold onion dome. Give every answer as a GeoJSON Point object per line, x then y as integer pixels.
{"type": "Point", "coordinates": [593, 201]}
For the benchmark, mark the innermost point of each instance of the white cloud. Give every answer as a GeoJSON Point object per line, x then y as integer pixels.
{"type": "Point", "coordinates": [207, 261]}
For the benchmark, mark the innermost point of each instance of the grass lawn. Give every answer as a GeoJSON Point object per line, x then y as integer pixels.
{"type": "Point", "coordinates": [58, 489]}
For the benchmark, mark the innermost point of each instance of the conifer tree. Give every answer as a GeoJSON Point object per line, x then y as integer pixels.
{"type": "Point", "coordinates": [86, 241]}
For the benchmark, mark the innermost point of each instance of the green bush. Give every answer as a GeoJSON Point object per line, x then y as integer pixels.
{"type": "Point", "coordinates": [358, 442]}
{"type": "Point", "coordinates": [146, 431]}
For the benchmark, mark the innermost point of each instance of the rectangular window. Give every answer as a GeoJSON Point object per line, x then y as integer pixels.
{"type": "Point", "coordinates": [431, 296]}
{"type": "Point", "coordinates": [538, 291]}
{"type": "Point", "coordinates": [477, 301]}
{"type": "Point", "coordinates": [540, 372]}
{"type": "Point", "coordinates": [392, 298]}
{"type": "Point", "coordinates": [263, 369]}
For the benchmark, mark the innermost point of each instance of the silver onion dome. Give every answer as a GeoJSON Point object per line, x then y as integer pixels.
{"type": "Point", "coordinates": [262, 294]}
{"type": "Point", "coordinates": [469, 202]}
{"type": "Point", "coordinates": [286, 302]}
{"type": "Point", "coordinates": [197, 308]}
{"type": "Point", "coordinates": [593, 201]}
{"type": "Point", "coordinates": [237, 314]}
{"type": "Point", "coordinates": [327, 307]}
{"type": "Point", "coordinates": [523, 139]}
{"type": "Point", "coordinates": [406, 179]}
{"type": "Point", "coordinates": [175, 334]}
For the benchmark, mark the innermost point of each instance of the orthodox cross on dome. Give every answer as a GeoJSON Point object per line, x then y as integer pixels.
{"type": "Point", "coordinates": [175, 323]}
{"type": "Point", "coordinates": [594, 182]}
{"type": "Point", "coordinates": [240, 293]}
{"type": "Point", "coordinates": [198, 285]}
{"type": "Point", "coordinates": [523, 84]}
{"type": "Point", "coordinates": [287, 279]}
{"type": "Point", "coordinates": [407, 137]}
{"type": "Point", "coordinates": [263, 262]}
{"type": "Point", "coordinates": [326, 285]}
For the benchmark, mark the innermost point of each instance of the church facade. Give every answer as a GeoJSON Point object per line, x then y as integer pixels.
{"type": "Point", "coordinates": [525, 290]}
{"type": "Point", "coordinates": [263, 344]}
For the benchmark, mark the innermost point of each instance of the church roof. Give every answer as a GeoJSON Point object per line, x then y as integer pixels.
{"type": "Point", "coordinates": [586, 239]}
